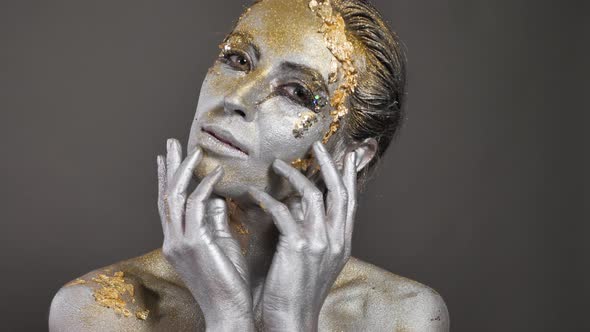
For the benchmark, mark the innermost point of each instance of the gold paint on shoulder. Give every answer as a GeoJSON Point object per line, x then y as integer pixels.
{"type": "Point", "coordinates": [142, 314]}
{"type": "Point", "coordinates": [78, 281]}
{"type": "Point", "coordinates": [114, 293]}
{"type": "Point", "coordinates": [113, 289]}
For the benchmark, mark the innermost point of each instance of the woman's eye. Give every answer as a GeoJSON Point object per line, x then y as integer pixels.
{"type": "Point", "coordinates": [299, 94]}
{"type": "Point", "coordinates": [237, 61]}
{"type": "Point", "coordinates": [304, 96]}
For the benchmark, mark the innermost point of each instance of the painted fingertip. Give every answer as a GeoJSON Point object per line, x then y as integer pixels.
{"type": "Point", "coordinates": [218, 169]}
{"type": "Point", "coordinates": [319, 146]}
{"type": "Point", "coordinates": [352, 158]}
{"type": "Point", "coordinates": [170, 143]}
{"type": "Point", "coordinates": [196, 154]}
{"type": "Point", "coordinates": [280, 165]}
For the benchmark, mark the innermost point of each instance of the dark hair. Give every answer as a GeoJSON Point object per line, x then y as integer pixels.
{"type": "Point", "coordinates": [376, 104]}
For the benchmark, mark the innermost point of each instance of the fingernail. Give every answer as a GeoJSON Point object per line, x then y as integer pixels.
{"type": "Point", "coordinates": [279, 164]}
{"type": "Point", "coordinates": [320, 146]}
{"type": "Point", "coordinates": [352, 157]}
{"type": "Point", "coordinates": [170, 143]}
{"type": "Point", "coordinates": [195, 152]}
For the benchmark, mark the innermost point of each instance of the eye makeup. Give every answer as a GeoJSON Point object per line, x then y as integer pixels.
{"type": "Point", "coordinates": [238, 52]}
{"type": "Point", "coordinates": [306, 121]}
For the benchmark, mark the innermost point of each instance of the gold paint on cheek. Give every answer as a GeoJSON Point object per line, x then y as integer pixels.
{"type": "Point", "coordinates": [306, 121]}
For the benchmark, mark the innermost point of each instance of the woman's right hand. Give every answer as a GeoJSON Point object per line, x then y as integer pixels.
{"type": "Point", "coordinates": [199, 244]}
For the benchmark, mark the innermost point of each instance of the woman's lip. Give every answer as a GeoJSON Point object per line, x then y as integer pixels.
{"type": "Point", "coordinates": [225, 137]}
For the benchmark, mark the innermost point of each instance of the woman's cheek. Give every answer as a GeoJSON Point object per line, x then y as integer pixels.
{"type": "Point", "coordinates": [290, 133]}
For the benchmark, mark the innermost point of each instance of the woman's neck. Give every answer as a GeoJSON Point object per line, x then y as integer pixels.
{"type": "Point", "coordinates": [255, 231]}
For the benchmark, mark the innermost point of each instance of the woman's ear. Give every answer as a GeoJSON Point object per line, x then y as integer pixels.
{"type": "Point", "coordinates": [365, 152]}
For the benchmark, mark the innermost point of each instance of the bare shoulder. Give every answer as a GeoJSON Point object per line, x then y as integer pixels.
{"type": "Point", "coordinates": [366, 297]}
{"type": "Point", "coordinates": [124, 296]}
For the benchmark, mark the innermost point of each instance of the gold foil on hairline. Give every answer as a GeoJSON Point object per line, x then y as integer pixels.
{"type": "Point", "coordinates": [334, 30]}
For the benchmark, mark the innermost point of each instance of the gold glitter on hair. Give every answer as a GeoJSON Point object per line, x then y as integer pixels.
{"type": "Point", "coordinates": [306, 121]}
{"type": "Point", "coordinates": [334, 31]}
{"type": "Point", "coordinates": [111, 293]}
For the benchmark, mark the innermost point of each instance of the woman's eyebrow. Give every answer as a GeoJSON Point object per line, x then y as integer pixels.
{"type": "Point", "coordinates": [245, 38]}
{"type": "Point", "coordinates": [305, 70]}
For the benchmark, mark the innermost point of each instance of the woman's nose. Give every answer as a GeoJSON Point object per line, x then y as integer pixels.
{"type": "Point", "coordinates": [235, 105]}
{"type": "Point", "coordinates": [245, 98]}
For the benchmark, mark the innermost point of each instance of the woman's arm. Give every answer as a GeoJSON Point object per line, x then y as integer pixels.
{"type": "Point", "coordinates": [313, 246]}
{"type": "Point", "coordinates": [199, 245]}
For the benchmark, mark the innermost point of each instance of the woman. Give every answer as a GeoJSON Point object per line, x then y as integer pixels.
{"type": "Point", "coordinates": [305, 96]}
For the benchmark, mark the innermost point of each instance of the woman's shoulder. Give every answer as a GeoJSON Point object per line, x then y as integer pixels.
{"type": "Point", "coordinates": [383, 301]}
{"type": "Point", "coordinates": [126, 294]}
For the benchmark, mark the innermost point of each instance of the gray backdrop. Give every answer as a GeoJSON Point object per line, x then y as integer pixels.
{"type": "Point", "coordinates": [480, 197]}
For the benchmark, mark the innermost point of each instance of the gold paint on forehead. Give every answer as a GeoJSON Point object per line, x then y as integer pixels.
{"type": "Point", "coordinates": [334, 30]}
{"type": "Point", "coordinates": [284, 25]}
{"type": "Point", "coordinates": [305, 122]}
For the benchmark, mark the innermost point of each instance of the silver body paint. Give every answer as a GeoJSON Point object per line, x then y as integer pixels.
{"type": "Point", "coordinates": [280, 260]}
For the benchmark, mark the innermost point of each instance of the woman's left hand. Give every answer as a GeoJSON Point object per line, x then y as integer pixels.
{"type": "Point", "coordinates": [314, 245]}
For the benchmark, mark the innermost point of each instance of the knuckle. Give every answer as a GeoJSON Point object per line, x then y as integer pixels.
{"type": "Point", "coordinates": [337, 249]}
{"type": "Point", "coordinates": [168, 251]}
{"type": "Point", "coordinates": [318, 247]}
{"type": "Point", "coordinates": [280, 209]}
{"type": "Point", "coordinates": [299, 244]}
{"type": "Point", "coordinates": [315, 195]}
{"type": "Point", "coordinates": [343, 194]}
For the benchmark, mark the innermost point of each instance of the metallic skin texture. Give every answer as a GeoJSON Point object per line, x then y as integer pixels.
{"type": "Point", "coordinates": [257, 245]}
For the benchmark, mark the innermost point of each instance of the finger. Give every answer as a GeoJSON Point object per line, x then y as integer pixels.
{"type": "Point", "coordinates": [312, 197]}
{"type": "Point", "coordinates": [184, 173]}
{"type": "Point", "coordinates": [350, 178]}
{"type": "Point", "coordinates": [217, 217]}
{"type": "Point", "coordinates": [161, 192]}
{"type": "Point", "coordinates": [337, 198]}
{"type": "Point", "coordinates": [278, 211]}
{"type": "Point", "coordinates": [196, 205]}
{"type": "Point", "coordinates": [173, 157]}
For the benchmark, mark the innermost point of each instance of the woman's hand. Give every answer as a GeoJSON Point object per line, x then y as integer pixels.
{"type": "Point", "coordinates": [314, 243]}
{"type": "Point", "coordinates": [199, 245]}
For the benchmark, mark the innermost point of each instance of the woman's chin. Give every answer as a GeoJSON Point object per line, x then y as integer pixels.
{"type": "Point", "coordinates": [235, 181]}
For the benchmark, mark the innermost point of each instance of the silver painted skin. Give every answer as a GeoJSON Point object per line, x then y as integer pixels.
{"type": "Point", "coordinates": [292, 271]}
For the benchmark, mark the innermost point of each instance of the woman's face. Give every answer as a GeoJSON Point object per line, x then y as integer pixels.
{"type": "Point", "coordinates": [266, 97]}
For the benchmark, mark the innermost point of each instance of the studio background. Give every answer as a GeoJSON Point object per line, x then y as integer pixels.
{"type": "Point", "coordinates": [480, 197]}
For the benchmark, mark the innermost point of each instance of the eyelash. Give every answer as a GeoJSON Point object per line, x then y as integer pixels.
{"type": "Point", "coordinates": [307, 100]}
{"type": "Point", "coordinates": [226, 58]}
